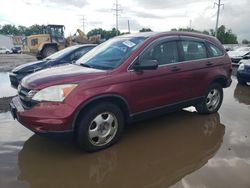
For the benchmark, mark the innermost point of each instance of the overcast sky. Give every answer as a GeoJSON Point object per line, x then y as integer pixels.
{"type": "Point", "coordinates": [159, 15]}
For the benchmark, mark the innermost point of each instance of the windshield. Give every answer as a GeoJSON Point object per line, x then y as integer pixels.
{"type": "Point", "coordinates": [111, 53]}
{"type": "Point", "coordinates": [61, 52]}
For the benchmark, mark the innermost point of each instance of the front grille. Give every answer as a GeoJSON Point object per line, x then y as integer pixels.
{"type": "Point", "coordinates": [13, 81]}
{"type": "Point", "coordinates": [247, 68]}
{"type": "Point", "coordinates": [27, 103]}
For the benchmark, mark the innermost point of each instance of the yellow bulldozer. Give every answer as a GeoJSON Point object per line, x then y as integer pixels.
{"type": "Point", "coordinates": [50, 40]}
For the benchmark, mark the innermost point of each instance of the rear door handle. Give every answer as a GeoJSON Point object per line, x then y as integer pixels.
{"type": "Point", "coordinates": [175, 69]}
{"type": "Point", "coordinates": [209, 63]}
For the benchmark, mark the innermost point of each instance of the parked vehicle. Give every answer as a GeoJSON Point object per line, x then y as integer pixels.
{"type": "Point", "coordinates": [4, 50]}
{"type": "Point", "coordinates": [50, 39]}
{"type": "Point", "coordinates": [67, 55]}
{"type": "Point", "coordinates": [124, 79]}
{"type": "Point", "coordinates": [239, 54]}
{"type": "Point", "coordinates": [243, 72]}
{"type": "Point", "coordinates": [16, 50]}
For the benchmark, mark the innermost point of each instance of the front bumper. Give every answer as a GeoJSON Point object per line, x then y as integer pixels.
{"type": "Point", "coordinates": [244, 75]}
{"type": "Point", "coordinates": [14, 80]}
{"type": "Point", "coordinates": [45, 118]}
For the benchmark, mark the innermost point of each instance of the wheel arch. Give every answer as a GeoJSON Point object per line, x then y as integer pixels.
{"type": "Point", "coordinates": [222, 80]}
{"type": "Point", "coordinates": [47, 44]}
{"type": "Point", "coordinates": [112, 98]}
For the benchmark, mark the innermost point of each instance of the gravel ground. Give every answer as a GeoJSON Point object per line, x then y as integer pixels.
{"type": "Point", "coordinates": [10, 61]}
{"type": "Point", "coordinates": [7, 63]}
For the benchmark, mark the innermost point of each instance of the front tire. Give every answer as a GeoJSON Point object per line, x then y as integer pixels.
{"type": "Point", "coordinates": [48, 51]}
{"type": "Point", "coordinates": [212, 100]}
{"type": "Point", "coordinates": [100, 127]}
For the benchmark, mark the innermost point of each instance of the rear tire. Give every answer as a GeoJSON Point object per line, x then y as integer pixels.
{"type": "Point", "coordinates": [47, 51]}
{"type": "Point", "coordinates": [100, 127]}
{"type": "Point", "coordinates": [212, 100]}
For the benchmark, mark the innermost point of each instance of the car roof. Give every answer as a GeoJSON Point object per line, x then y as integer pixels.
{"type": "Point", "coordinates": [85, 45]}
{"type": "Point", "coordinates": [168, 33]}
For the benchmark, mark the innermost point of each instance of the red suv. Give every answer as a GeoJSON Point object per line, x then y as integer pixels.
{"type": "Point", "coordinates": [127, 78]}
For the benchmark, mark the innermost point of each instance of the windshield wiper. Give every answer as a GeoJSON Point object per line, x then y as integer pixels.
{"type": "Point", "coordinates": [86, 65]}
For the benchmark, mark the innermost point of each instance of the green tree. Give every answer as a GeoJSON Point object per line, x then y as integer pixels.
{"type": "Point", "coordinates": [9, 30]}
{"type": "Point", "coordinates": [226, 36]}
{"type": "Point", "coordinates": [104, 34]}
{"type": "Point", "coordinates": [245, 41]}
{"type": "Point", "coordinates": [212, 32]}
{"type": "Point", "coordinates": [34, 29]}
{"type": "Point", "coordinates": [21, 30]}
{"type": "Point", "coordinates": [145, 30]}
{"type": "Point", "coordinates": [205, 32]}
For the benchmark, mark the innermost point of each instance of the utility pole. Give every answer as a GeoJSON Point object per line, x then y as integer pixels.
{"type": "Point", "coordinates": [83, 23]}
{"type": "Point", "coordinates": [117, 10]}
{"type": "Point", "coordinates": [128, 27]}
{"type": "Point", "coordinates": [190, 25]}
{"type": "Point", "coordinates": [218, 15]}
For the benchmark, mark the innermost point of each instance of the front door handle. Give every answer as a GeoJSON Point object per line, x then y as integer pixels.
{"type": "Point", "coordinates": [209, 63]}
{"type": "Point", "coordinates": [175, 69]}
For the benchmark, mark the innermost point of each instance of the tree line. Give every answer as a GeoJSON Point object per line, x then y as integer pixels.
{"type": "Point", "coordinates": [9, 29]}
{"type": "Point", "coordinates": [225, 35]}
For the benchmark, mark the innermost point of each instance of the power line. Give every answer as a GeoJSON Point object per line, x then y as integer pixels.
{"type": "Point", "coordinates": [218, 15]}
{"type": "Point", "coordinates": [117, 11]}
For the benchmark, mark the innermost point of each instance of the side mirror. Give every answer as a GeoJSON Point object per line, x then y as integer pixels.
{"type": "Point", "coordinates": [146, 65]}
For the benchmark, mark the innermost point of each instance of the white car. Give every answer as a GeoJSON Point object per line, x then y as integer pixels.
{"type": "Point", "coordinates": [239, 54]}
{"type": "Point", "coordinates": [4, 50]}
{"type": "Point", "coordinates": [244, 61]}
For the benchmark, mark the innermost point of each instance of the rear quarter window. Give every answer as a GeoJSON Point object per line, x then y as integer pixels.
{"type": "Point", "coordinates": [214, 51]}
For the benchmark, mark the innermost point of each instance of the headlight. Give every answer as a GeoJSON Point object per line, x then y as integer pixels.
{"type": "Point", "coordinates": [55, 93]}
{"type": "Point", "coordinates": [241, 67]}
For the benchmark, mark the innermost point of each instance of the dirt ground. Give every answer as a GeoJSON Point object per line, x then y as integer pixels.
{"type": "Point", "coordinates": [10, 61]}
{"type": "Point", "coordinates": [4, 104]}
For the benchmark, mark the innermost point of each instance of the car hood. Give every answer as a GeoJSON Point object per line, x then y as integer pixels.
{"type": "Point", "coordinates": [246, 62]}
{"type": "Point", "coordinates": [61, 75]}
{"type": "Point", "coordinates": [29, 67]}
{"type": "Point", "coordinates": [234, 54]}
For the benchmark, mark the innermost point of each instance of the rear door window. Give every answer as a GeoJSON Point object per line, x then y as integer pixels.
{"type": "Point", "coordinates": [193, 50]}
